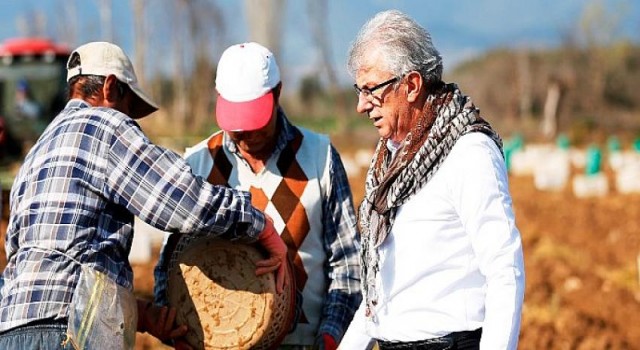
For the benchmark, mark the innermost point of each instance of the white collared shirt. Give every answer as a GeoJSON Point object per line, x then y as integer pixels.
{"type": "Point", "coordinates": [453, 261]}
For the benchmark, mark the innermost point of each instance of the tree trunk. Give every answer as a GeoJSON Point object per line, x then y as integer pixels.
{"type": "Point", "coordinates": [106, 27]}
{"type": "Point", "coordinates": [318, 17]}
{"type": "Point", "coordinates": [264, 21]}
{"type": "Point", "coordinates": [550, 118]}
{"type": "Point", "coordinates": [180, 97]}
{"type": "Point", "coordinates": [140, 39]}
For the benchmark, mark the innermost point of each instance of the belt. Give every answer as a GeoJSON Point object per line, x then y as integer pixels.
{"type": "Point", "coordinates": [455, 340]}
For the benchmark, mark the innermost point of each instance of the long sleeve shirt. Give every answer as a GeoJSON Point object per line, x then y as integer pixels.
{"type": "Point", "coordinates": [453, 260]}
{"type": "Point", "coordinates": [74, 200]}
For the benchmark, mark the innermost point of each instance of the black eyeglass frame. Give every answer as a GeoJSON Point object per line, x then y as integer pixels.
{"type": "Point", "coordinates": [369, 91]}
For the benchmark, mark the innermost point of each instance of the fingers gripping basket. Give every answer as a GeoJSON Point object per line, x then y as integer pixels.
{"type": "Point", "coordinates": [213, 286]}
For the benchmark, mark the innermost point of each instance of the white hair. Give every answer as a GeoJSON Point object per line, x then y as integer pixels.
{"type": "Point", "coordinates": [405, 45]}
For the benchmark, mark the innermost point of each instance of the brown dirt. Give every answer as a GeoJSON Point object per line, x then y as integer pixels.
{"type": "Point", "coordinates": [581, 262]}
{"type": "Point", "coordinates": [581, 258]}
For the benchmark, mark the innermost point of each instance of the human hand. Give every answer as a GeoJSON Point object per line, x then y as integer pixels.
{"type": "Point", "coordinates": [325, 342]}
{"type": "Point", "coordinates": [277, 261]}
{"type": "Point", "coordinates": [159, 321]}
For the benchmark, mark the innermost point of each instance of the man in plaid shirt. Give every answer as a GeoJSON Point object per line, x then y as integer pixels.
{"type": "Point", "coordinates": [75, 197]}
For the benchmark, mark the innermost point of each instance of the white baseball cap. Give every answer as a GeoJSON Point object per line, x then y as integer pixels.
{"type": "Point", "coordinates": [104, 59]}
{"type": "Point", "coordinates": [245, 78]}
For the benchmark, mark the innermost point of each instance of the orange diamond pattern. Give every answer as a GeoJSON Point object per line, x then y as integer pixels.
{"type": "Point", "coordinates": [222, 167]}
{"type": "Point", "coordinates": [258, 198]}
{"type": "Point", "coordinates": [286, 199]}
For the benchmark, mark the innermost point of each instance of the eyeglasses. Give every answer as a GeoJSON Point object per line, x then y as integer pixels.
{"type": "Point", "coordinates": [367, 93]}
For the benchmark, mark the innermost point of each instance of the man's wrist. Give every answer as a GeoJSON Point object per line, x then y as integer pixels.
{"type": "Point", "coordinates": [325, 341]}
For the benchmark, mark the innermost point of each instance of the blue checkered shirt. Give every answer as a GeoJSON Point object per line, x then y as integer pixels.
{"type": "Point", "coordinates": [74, 199]}
{"type": "Point", "coordinates": [341, 241]}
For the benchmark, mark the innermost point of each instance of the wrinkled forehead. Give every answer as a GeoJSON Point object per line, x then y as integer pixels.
{"type": "Point", "coordinates": [372, 66]}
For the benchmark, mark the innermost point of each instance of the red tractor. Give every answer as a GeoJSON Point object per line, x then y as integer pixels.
{"type": "Point", "coordinates": [32, 91]}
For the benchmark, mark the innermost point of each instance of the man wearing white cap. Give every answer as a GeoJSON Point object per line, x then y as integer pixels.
{"type": "Point", "coordinates": [296, 176]}
{"type": "Point", "coordinates": [68, 281]}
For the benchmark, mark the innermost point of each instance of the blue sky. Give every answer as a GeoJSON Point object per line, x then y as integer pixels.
{"type": "Point", "coordinates": [460, 29]}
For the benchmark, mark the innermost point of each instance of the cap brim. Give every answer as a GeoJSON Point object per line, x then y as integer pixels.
{"type": "Point", "coordinates": [145, 106]}
{"type": "Point", "coordinates": [244, 116]}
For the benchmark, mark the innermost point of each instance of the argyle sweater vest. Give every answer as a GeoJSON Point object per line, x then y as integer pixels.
{"type": "Point", "coordinates": [290, 190]}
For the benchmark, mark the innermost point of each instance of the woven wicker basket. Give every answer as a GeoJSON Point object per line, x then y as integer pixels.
{"type": "Point", "coordinates": [213, 286]}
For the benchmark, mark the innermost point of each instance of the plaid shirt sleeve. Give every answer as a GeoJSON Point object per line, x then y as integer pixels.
{"type": "Point", "coordinates": [342, 244]}
{"type": "Point", "coordinates": [158, 186]}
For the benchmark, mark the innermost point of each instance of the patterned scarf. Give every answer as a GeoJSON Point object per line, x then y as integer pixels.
{"type": "Point", "coordinates": [392, 182]}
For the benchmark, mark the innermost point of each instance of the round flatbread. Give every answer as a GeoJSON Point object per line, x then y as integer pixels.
{"type": "Point", "coordinates": [213, 286]}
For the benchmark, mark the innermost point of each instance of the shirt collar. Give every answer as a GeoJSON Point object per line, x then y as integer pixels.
{"type": "Point", "coordinates": [77, 103]}
{"type": "Point", "coordinates": [393, 147]}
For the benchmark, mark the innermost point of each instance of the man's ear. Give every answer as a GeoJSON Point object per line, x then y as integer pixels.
{"type": "Point", "coordinates": [414, 85]}
{"type": "Point", "coordinates": [110, 91]}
